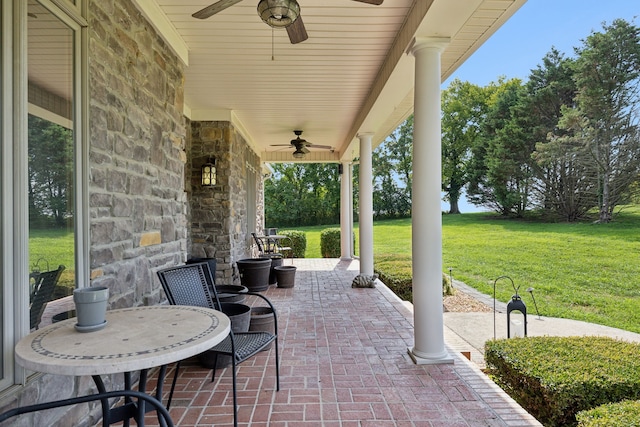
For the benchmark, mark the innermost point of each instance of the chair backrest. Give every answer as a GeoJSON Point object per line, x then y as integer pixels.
{"type": "Point", "coordinates": [258, 243]}
{"type": "Point", "coordinates": [43, 289]}
{"type": "Point", "coordinates": [190, 284]}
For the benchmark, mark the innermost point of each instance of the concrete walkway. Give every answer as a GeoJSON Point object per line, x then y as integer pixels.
{"type": "Point", "coordinates": [467, 332]}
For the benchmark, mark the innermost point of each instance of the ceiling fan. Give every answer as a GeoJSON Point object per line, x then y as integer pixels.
{"type": "Point", "coordinates": [275, 13]}
{"type": "Point", "coordinates": [302, 145]}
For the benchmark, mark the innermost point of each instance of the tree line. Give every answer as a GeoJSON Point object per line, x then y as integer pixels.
{"type": "Point", "coordinates": [563, 144]}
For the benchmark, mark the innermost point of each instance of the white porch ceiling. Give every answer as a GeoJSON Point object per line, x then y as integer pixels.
{"type": "Point", "coordinates": [351, 76]}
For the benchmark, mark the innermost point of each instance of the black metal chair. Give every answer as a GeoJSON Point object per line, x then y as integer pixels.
{"type": "Point", "coordinates": [263, 247]}
{"type": "Point", "coordinates": [193, 284]}
{"type": "Point", "coordinates": [275, 248]}
{"type": "Point", "coordinates": [163, 414]}
{"type": "Point", "coordinates": [45, 284]}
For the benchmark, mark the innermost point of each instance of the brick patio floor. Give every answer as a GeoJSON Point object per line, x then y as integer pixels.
{"type": "Point", "coordinates": [344, 363]}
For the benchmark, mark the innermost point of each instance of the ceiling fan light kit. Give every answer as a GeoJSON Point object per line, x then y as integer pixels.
{"type": "Point", "coordinates": [275, 13]}
{"type": "Point", "coordinates": [302, 146]}
{"type": "Point", "coordinates": [278, 13]}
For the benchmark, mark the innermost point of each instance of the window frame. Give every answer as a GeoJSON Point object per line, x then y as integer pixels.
{"type": "Point", "coordinates": [14, 211]}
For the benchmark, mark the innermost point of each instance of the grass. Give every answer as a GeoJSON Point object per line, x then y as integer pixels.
{"type": "Point", "coordinates": [581, 271]}
{"type": "Point", "coordinates": [50, 248]}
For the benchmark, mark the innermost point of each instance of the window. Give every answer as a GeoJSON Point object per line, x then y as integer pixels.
{"type": "Point", "coordinates": [43, 151]}
{"type": "Point", "coordinates": [50, 159]}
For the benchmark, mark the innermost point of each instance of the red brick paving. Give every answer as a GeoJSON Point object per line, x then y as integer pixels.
{"type": "Point", "coordinates": [344, 363]}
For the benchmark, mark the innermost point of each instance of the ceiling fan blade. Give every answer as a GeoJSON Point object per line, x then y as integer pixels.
{"type": "Point", "coordinates": [327, 147]}
{"type": "Point", "coordinates": [214, 8]}
{"type": "Point", "coordinates": [297, 32]}
{"type": "Point", "coordinates": [376, 2]}
{"type": "Point", "coordinates": [304, 150]}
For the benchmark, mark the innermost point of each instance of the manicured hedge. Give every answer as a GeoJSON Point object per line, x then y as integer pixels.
{"type": "Point", "coordinates": [622, 414]}
{"type": "Point", "coordinates": [396, 274]}
{"type": "Point", "coordinates": [554, 378]}
{"type": "Point", "coordinates": [297, 241]}
{"type": "Point", "coordinates": [330, 243]}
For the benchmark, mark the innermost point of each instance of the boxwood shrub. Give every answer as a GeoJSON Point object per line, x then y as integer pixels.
{"type": "Point", "coordinates": [396, 273]}
{"type": "Point", "coordinates": [554, 378]}
{"type": "Point", "coordinates": [297, 241]}
{"type": "Point", "coordinates": [622, 414]}
{"type": "Point", "coordinates": [330, 243]}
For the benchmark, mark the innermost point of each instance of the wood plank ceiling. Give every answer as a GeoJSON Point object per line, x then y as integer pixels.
{"type": "Point", "coordinates": [352, 75]}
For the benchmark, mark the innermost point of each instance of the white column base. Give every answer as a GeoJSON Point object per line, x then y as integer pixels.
{"type": "Point", "coordinates": [435, 359]}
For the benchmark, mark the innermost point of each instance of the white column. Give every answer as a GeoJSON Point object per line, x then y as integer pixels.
{"type": "Point", "coordinates": [346, 225]}
{"type": "Point", "coordinates": [426, 214]}
{"type": "Point", "coordinates": [366, 205]}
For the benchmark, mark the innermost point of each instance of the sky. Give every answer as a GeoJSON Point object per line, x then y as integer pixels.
{"type": "Point", "coordinates": [521, 43]}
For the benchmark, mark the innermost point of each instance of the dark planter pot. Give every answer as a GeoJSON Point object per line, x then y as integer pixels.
{"type": "Point", "coordinates": [286, 275]}
{"type": "Point", "coordinates": [276, 260]}
{"type": "Point", "coordinates": [240, 316]}
{"type": "Point", "coordinates": [254, 273]}
{"type": "Point", "coordinates": [225, 295]}
{"type": "Point", "coordinates": [210, 261]}
{"type": "Point", "coordinates": [262, 321]}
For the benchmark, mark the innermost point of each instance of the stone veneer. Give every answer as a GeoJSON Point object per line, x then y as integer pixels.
{"type": "Point", "coordinates": [140, 183]}
{"type": "Point", "coordinates": [137, 156]}
{"type": "Point", "coordinates": [137, 198]}
{"type": "Point", "coordinates": [219, 215]}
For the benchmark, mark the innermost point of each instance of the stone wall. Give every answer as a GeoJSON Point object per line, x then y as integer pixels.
{"type": "Point", "coordinates": [137, 157]}
{"type": "Point", "coordinates": [140, 182]}
{"type": "Point", "coordinates": [219, 215]}
{"type": "Point", "coordinates": [137, 199]}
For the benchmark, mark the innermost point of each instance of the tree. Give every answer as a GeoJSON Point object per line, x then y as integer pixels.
{"type": "Point", "coordinates": [607, 74]}
{"type": "Point", "coordinates": [464, 106]}
{"type": "Point", "coordinates": [500, 172]}
{"type": "Point", "coordinates": [562, 188]}
{"type": "Point", "coordinates": [302, 194]}
{"type": "Point", "coordinates": [50, 182]}
{"type": "Point", "coordinates": [400, 148]}
{"type": "Point", "coordinates": [392, 173]}
{"type": "Point", "coordinates": [570, 189]}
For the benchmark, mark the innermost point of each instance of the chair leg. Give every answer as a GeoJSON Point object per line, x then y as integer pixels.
{"type": "Point", "coordinates": [235, 393]}
{"type": "Point", "coordinates": [173, 384]}
{"type": "Point", "coordinates": [277, 366]}
{"type": "Point", "coordinates": [215, 366]}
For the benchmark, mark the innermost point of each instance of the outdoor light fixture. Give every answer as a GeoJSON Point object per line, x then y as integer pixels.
{"type": "Point", "coordinates": [209, 173]}
{"type": "Point", "coordinates": [516, 304]}
{"type": "Point", "coordinates": [298, 154]}
{"type": "Point", "coordinates": [278, 13]}
{"type": "Point", "coordinates": [530, 290]}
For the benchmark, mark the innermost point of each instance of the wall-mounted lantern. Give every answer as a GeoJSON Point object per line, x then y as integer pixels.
{"type": "Point", "coordinates": [209, 173]}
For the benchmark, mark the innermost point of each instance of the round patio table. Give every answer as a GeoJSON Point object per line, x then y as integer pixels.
{"type": "Point", "coordinates": [134, 339]}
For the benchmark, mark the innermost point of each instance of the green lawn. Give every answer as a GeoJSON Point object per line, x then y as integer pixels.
{"type": "Point", "coordinates": [582, 271]}
{"type": "Point", "coordinates": [50, 248]}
